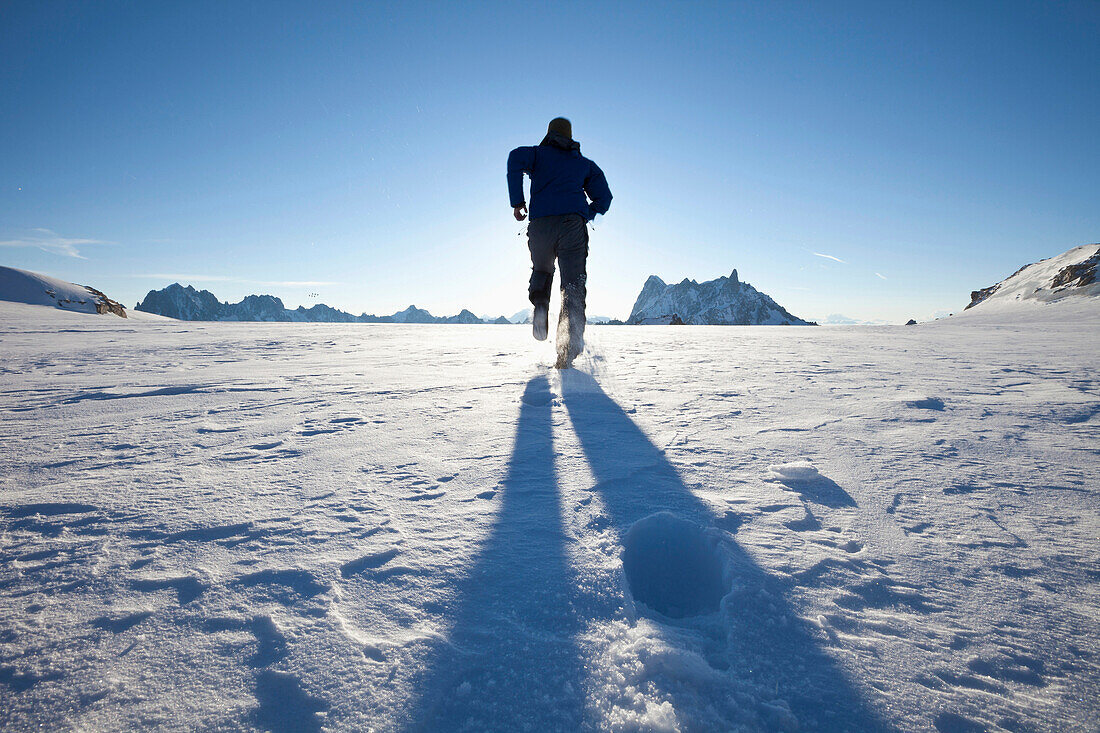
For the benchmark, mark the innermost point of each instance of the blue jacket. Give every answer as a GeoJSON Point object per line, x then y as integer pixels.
{"type": "Point", "coordinates": [562, 180]}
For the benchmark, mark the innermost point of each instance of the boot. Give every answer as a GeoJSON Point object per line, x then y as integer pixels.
{"type": "Point", "coordinates": [540, 325]}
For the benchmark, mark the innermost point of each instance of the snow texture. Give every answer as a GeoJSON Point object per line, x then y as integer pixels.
{"type": "Point", "coordinates": [390, 527]}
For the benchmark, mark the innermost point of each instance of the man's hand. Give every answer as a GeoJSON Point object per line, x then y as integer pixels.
{"type": "Point", "coordinates": [520, 212]}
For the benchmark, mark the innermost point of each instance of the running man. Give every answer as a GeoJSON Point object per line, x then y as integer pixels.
{"type": "Point", "coordinates": [567, 191]}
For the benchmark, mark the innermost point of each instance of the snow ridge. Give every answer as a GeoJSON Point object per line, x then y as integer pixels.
{"type": "Point", "coordinates": [23, 286]}
{"type": "Point", "coordinates": [1071, 274]}
{"type": "Point", "coordinates": [725, 302]}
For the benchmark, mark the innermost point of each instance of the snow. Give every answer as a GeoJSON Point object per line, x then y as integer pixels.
{"type": "Point", "coordinates": [22, 286]}
{"type": "Point", "coordinates": [1033, 285]}
{"type": "Point", "coordinates": [797, 471]}
{"type": "Point", "coordinates": [380, 527]}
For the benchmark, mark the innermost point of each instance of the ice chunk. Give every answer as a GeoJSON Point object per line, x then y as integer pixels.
{"type": "Point", "coordinates": [797, 471]}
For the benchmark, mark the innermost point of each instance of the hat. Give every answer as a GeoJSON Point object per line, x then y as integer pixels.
{"type": "Point", "coordinates": [561, 126]}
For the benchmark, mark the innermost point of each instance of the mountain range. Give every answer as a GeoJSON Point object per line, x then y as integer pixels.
{"type": "Point", "coordinates": [725, 301]}
{"type": "Point", "coordinates": [188, 304]}
{"type": "Point", "coordinates": [1073, 275]}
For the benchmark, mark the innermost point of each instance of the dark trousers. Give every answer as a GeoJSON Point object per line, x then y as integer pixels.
{"type": "Point", "coordinates": [563, 238]}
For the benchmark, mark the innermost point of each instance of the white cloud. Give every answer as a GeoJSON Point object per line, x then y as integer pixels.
{"type": "Point", "coordinates": [50, 241]}
{"type": "Point", "coordinates": [228, 279]}
{"type": "Point", "coordinates": [828, 257]}
{"type": "Point", "coordinates": [880, 275]}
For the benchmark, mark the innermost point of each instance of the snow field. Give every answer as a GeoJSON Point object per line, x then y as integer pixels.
{"type": "Point", "coordinates": [306, 526]}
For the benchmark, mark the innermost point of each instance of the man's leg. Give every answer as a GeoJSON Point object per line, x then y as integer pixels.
{"type": "Point", "coordinates": [572, 258]}
{"type": "Point", "coordinates": [541, 240]}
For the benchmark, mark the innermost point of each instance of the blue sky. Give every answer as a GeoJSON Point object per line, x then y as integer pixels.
{"type": "Point", "coordinates": [878, 160]}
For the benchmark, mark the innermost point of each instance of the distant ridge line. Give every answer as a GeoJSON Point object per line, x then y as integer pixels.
{"type": "Point", "coordinates": [185, 303]}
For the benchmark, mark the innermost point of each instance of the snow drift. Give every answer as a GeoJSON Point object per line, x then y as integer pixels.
{"type": "Point", "coordinates": [32, 288]}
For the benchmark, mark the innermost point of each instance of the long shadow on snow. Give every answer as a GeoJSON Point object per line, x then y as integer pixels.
{"type": "Point", "coordinates": [766, 648]}
{"type": "Point", "coordinates": [510, 661]}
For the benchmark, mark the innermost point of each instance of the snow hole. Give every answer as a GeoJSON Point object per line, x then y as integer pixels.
{"type": "Point", "coordinates": [672, 567]}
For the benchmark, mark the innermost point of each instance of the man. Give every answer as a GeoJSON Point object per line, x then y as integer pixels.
{"type": "Point", "coordinates": [567, 191]}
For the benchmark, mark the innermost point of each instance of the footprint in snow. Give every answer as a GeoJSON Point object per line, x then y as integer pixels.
{"type": "Point", "coordinates": [673, 567]}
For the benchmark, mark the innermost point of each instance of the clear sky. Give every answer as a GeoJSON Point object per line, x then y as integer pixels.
{"type": "Point", "coordinates": [877, 160]}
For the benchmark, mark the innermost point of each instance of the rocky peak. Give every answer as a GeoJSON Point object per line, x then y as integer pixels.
{"type": "Point", "coordinates": [723, 301]}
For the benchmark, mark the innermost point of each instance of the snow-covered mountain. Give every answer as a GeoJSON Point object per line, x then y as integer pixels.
{"type": "Point", "coordinates": [23, 286]}
{"type": "Point", "coordinates": [724, 302]}
{"type": "Point", "coordinates": [189, 304]}
{"type": "Point", "coordinates": [1074, 274]}
{"type": "Point", "coordinates": [523, 316]}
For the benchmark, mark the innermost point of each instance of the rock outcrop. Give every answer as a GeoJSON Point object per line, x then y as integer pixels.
{"type": "Point", "coordinates": [1072, 274]}
{"type": "Point", "coordinates": [723, 302]}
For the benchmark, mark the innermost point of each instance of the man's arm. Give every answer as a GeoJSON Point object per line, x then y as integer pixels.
{"type": "Point", "coordinates": [520, 161]}
{"type": "Point", "coordinates": [596, 188]}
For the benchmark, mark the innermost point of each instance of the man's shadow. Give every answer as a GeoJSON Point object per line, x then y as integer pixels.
{"type": "Point", "coordinates": [763, 647]}
{"type": "Point", "coordinates": [511, 660]}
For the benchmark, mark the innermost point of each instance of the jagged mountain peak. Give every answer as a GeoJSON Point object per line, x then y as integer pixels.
{"type": "Point", "coordinates": [722, 301]}
{"type": "Point", "coordinates": [188, 304]}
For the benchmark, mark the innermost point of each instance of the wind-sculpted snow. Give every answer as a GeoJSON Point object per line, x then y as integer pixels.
{"type": "Point", "coordinates": [373, 527]}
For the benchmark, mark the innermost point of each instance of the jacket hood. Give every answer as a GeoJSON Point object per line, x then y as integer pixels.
{"type": "Point", "coordinates": [560, 141]}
